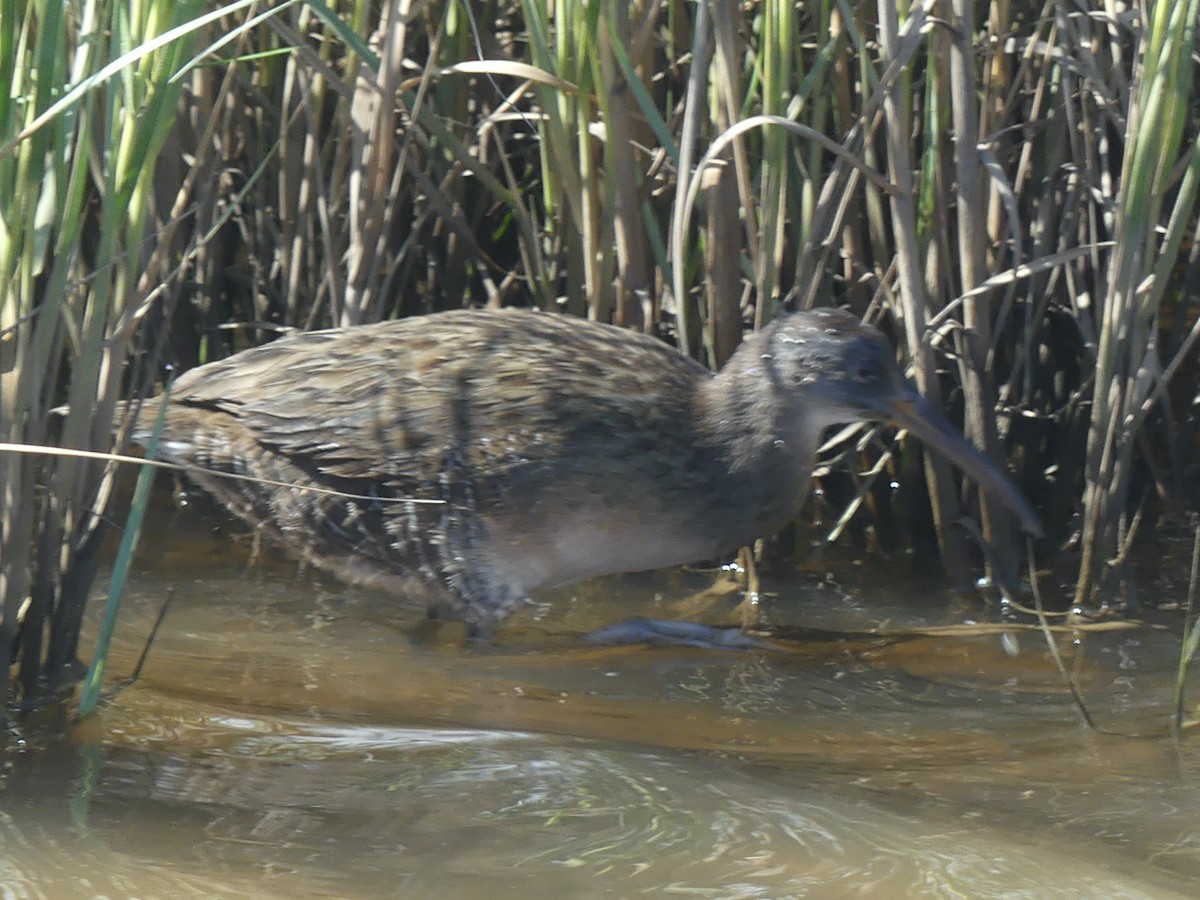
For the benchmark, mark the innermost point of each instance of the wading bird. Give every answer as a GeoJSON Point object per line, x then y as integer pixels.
{"type": "Point", "coordinates": [554, 449]}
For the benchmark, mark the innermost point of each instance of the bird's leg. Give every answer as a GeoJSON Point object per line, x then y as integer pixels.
{"type": "Point", "coordinates": [748, 608]}
{"type": "Point", "coordinates": [741, 579]}
{"type": "Point", "coordinates": [479, 635]}
{"type": "Point", "coordinates": [439, 612]}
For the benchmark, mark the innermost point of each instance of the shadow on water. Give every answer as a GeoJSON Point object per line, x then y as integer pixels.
{"type": "Point", "coordinates": [291, 737]}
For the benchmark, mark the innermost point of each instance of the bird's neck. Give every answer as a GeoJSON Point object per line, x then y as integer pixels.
{"type": "Point", "coordinates": [758, 427]}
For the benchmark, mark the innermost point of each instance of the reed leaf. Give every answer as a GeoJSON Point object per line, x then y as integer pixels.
{"type": "Point", "coordinates": [78, 162]}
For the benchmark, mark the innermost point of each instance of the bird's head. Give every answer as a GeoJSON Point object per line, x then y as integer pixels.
{"type": "Point", "coordinates": [846, 372]}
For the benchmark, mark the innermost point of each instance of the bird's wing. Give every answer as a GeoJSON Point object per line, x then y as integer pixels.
{"type": "Point", "coordinates": [402, 400]}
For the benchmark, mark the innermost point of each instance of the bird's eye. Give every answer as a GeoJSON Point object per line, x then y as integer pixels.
{"type": "Point", "coordinates": [865, 371]}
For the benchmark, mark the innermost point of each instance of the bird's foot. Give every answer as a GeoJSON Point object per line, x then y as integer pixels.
{"type": "Point", "coordinates": [670, 633]}
{"type": "Point", "coordinates": [479, 636]}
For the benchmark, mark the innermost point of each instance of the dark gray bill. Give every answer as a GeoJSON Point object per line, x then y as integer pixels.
{"type": "Point", "coordinates": [911, 411]}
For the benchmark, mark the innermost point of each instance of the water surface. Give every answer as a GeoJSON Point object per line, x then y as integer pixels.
{"type": "Point", "coordinates": [291, 737]}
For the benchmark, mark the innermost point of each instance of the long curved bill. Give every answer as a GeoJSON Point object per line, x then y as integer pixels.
{"type": "Point", "coordinates": [911, 411]}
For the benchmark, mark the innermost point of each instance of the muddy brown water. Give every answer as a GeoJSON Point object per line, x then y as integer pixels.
{"type": "Point", "coordinates": [291, 737]}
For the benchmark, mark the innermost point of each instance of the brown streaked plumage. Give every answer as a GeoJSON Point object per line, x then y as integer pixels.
{"type": "Point", "coordinates": [560, 449]}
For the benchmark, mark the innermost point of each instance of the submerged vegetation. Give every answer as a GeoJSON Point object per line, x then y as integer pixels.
{"type": "Point", "coordinates": [1014, 196]}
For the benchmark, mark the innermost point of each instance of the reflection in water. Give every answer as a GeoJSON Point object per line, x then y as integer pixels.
{"type": "Point", "coordinates": [294, 738]}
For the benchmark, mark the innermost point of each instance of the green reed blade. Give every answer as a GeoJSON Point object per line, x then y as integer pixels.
{"type": "Point", "coordinates": [116, 588]}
